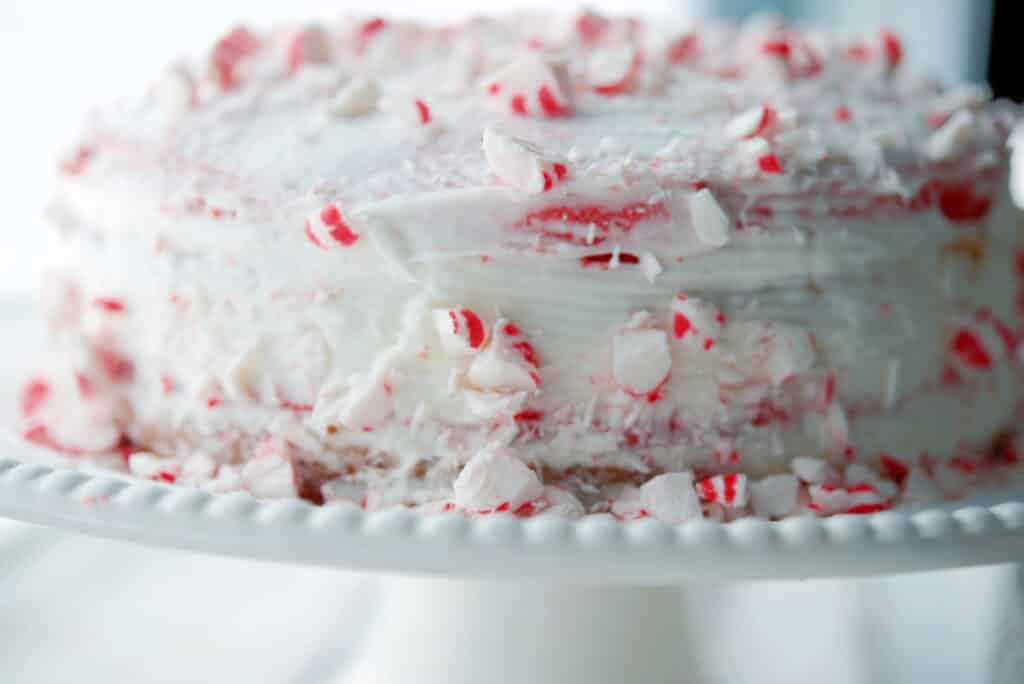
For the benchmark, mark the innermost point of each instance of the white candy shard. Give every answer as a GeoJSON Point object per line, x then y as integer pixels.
{"type": "Point", "coordinates": [198, 468]}
{"type": "Point", "coordinates": [835, 429]}
{"type": "Point", "coordinates": [562, 503]}
{"type": "Point", "coordinates": [696, 324]}
{"type": "Point", "coordinates": [649, 264]}
{"type": "Point", "coordinates": [775, 496]}
{"type": "Point", "coordinates": [176, 93]}
{"type": "Point", "coordinates": [611, 71]}
{"type": "Point", "coordinates": [815, 471]}
{"type": "Point", "coordinates": [365, 405]}
{"type": "Point", "coordinates": [729, 490]}
{"type": "Point", "coordinates": [520, 164]}
{"type": "Point", "coordinates": [641, 361]}
{"type": "Point", "coordinates": [495, 477]}
{"type": "Point", "coordinates": [356, 98]}
{"type": "Point", "coordinates": [269, 475]}
{"type": "Point", "coordinates": [671, 498]}
{"type": "Point", "coordinates": [1016, 145]}
{"type": "Point", "coordinates": [228, 479]}
{"type": "Point", "coordinates": [953, 138]}
{"type": "Point", "coordinates": [507, 364]}
{"type": "Point", "coordinates": [753, 122]}
{"type": "Point", "coordinates": [532, 85]}
{"type": "Point", "coordinates": [461, 331]}
{"type": "Point", "coordinates": [710, 222]}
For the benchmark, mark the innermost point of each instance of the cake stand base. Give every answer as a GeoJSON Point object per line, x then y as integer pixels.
{"type": "Point", "coordinates": [472, 632]}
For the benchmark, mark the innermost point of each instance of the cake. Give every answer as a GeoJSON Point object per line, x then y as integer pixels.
{"type": "Point", "coordinates": [542, 264]}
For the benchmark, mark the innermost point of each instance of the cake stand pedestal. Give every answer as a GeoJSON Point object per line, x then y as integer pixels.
{"type": "Point", "coordinates": [510, 632]}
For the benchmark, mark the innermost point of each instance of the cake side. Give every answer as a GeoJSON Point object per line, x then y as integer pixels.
{"type": "Point", "coordinates": [738, 261]}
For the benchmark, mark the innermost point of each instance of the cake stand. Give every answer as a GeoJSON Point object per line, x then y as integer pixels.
{"type": "Point", "coordinates": [499, 600]}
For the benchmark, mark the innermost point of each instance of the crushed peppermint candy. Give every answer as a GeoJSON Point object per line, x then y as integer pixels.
{"type": "Point", "coordinates": [729, 490]}
{"type": "Point", "coordinates": [495, 478]}
{"type": "Point", "coordinates": [753, 123]}
{"type": "Point", "coordinates": [507, 364]}
{"type": "Point", "coordinates": [461, 331]}
{"type": "Point", "coordinates": [357, 97]}
{"type": "Point", "coordinates": [614, 71]}
{"type": "Point", "coordinates": [531, 85]}
{"type": "Point", "coordinates": [520, 164]}
{"type": "Point", "coordinates": [710, 222]}
{"type": "Point", "coordinates": [327, 227]}
{"type": "Point", "coordinates": [696, 324]}
{"type": "Point", "coordinates": [671, 498]}
{"type": "Point", "coordinates": [641, 362]}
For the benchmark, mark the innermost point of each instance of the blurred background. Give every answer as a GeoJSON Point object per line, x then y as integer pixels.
{"type": "Point", "coordinates": [76, 609]}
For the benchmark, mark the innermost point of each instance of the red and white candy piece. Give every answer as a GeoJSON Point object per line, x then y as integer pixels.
{"type": "Point", "coordinates": [828, 500]}
{"type": "Point", "coordinates": [176, 93]}
{"type": "Point", "coordinates": [858, 477]}
{"type": "Point", "coordinates": [641, 361]}
{"type": "Point", "coordinates": [461, 331]}
{"type": "Point", "coordinates": [696, 324]}
{"type": "Point", "coordinates": [775, 496]}
{"type": "Point", "coordinates": [815, 471]}
{"type": "Point", "coordinates": [508, 364]}
{"type": "Point", "coordinates": [710, 222]}
{"type": "Point", "coordinates": [197, 469]}
{"type": "Point", "coordinates": [977, 345]}
{"type": "Point", "coordinates": [311, 45]}
{"type": "Point", "coordinates": [356, 98]}
{"type": "Point", "coordinates": [270, 474]}
{"type": "Point", "coordinates": [953, 138]}
{"type": "Point", "coordinates": [531, 86]}
{"type": "Point", "coordinates": [613, 71]}
{"type": "Point", "coordinates": [834, 430]}
{"type": "Point", "coordinates": [671, 498]}
{"type": "Point", "coordinates": [520, 164]}
{"type": "Point", "coordinates": [729, 490]}
{"type": "Point", "coordinates": [327, 228]}
{"type": "Point", "coordinates": [496, 479]}
{"type": "Point", "coordinates": [151, 467]}
{"type": "Point", "coordinates": [753, 123]}
{"type": "Point", "coordinates": [229, 53]}
{"type": "Point", "coordinates": [366, 405]}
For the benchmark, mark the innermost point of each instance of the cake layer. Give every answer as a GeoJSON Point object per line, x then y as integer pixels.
{"type": "Point", "coordinates": [752, 245]}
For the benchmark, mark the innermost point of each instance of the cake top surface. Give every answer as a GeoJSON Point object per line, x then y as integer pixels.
{"type": "Point", "coordinates": [596, 123]}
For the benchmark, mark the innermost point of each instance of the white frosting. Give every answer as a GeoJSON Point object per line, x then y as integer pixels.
{"type": "Point", "coordinates": [297, 258]}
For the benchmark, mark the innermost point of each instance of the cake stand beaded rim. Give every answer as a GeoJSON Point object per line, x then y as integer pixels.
{"type": "Point", "coordinates": [594, 548]}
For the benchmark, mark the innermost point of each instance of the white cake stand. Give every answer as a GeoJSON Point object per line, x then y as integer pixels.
{"type": "Point", "coordinates": [500, 600]}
